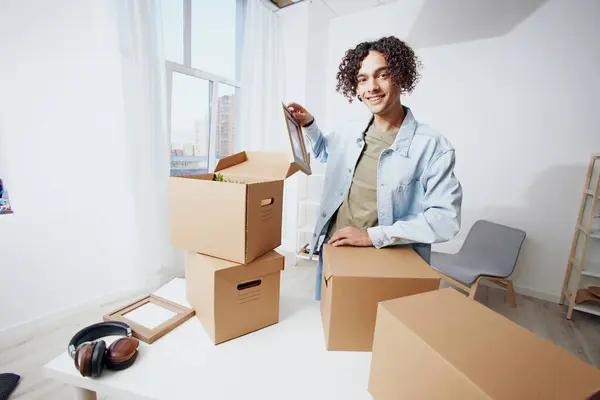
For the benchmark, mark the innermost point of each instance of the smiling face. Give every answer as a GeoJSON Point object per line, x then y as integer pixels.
{"type": "Point", "coordinates": [375, 87]}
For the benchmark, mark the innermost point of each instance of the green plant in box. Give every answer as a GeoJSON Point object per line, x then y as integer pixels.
{"type": "Point", "coordinates": [221, 178]}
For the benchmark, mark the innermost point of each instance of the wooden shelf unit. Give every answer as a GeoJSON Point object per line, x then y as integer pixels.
{"type": "Point", "coordinates": [579, 268]}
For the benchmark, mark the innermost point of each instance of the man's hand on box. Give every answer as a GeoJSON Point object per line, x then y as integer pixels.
{"type": "Point", "coordinates": [351, 237]}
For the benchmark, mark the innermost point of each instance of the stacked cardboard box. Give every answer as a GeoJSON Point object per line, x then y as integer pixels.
{"type": "Point", "coordinates": [230, 222]}
{"type": "Point", "coordinates": [232, 299]}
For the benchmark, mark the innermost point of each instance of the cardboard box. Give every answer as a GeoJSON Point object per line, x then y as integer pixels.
{"type": "Point", "coordinates": [442, 345]}
{"type": "Point", "coordinates": [230, 299]}
{"type": "Point", "coordinates": [355, 279]}
{"type": "Point", "coordinates": [233, 221]}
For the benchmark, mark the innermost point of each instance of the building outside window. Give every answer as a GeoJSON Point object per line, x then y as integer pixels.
{"type": "Point", "coordinates": [203, 44]}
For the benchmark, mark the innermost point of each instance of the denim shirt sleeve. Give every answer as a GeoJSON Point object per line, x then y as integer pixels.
{"type": "Point", "coordinates": [441, 204]}
{"type": "Point", "coordinates": [318, 141]}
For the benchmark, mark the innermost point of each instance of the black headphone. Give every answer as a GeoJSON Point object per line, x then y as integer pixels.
{"type": "Point", "coordinates": [91, 355]}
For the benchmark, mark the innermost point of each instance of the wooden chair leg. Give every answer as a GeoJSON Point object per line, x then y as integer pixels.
{"type": "Point", "coordinates": [454, 282]}
{"type": "Point", "coordinates": [473, 289]}
{"type": "Point", "coordinates": [510, 293]}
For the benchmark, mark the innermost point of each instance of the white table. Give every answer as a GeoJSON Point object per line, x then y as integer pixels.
{"type": "Point", "coordinates": [284, 361]}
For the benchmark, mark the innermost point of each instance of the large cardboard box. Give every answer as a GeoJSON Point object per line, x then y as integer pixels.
{"type": "Point", "coordinates": [230, 299]}
{"type": "Point", "coordinates": [355, 279]}
{"type": "Point", "coordinates": [233, 221]}
{"type": "Point", "coordinates": [442, 345]}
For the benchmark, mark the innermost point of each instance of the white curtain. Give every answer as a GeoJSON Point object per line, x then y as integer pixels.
{"type": "Point", "coordinates": [262, 126]}
{"type": "Point", "coordinates": [146, 133]}
{"type": "Point", "coordinates": [262, 81]}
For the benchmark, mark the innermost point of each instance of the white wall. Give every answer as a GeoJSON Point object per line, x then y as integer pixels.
{"type": "Point", "coordinates": [293, 22]}
{"type": "Point", "coordinates": [346, 31]}
{"type": "Point", "coordinates": [62, 158]}
{"type": "Point", "coordinates": [498, 101]}
{"type": "Point", "coordinates": [319, 16]}
{"type": "Point", "coordinates": [305, 32]}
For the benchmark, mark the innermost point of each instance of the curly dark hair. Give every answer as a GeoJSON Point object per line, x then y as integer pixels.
{"type": "Point", "coordinates": [402, 61]}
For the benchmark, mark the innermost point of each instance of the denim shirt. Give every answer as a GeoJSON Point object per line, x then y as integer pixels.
{"type": "Point", "coordinates": [419, 197]}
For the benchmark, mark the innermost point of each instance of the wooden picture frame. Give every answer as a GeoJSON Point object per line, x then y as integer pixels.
{"type": "Point", "coordinates": [144, 333]}
{"type": "Point", "coordinates": [301, 157]}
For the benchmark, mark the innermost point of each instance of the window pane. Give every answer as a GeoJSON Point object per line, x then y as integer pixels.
{"type": "Point", "coordinates": [213, 36]}
{"type": "Point", "coordinates": [190, 119]}
{"type": "Point", "coordinates": [226, 117]}
{"type": "Point", "coordinates": [172, 21]}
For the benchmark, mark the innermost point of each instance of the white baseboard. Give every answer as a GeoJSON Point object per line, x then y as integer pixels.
{"type": "Point", "coordinates": [551, 297]}
{"type": "Point", "coordinates": [11, 335]}
{"type": "Point", "coordinates": [525, 291]}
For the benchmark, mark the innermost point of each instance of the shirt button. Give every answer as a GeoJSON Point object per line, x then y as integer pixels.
{"type": "Point", "coordinates": [340, 193]}
{"type": "Point", "coordinates": [349, 170]}
{"type": "Point", "coordinates": [382, 185]}
{"type": "Point", "coordinates": [323, 215]}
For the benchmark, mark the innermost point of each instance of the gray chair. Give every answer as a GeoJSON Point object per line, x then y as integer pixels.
{"type": "Point", "coordinates": [490, 252]}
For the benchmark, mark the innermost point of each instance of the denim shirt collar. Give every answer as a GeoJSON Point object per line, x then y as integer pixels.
{"type": "Point", "coordinates": [405, 135]}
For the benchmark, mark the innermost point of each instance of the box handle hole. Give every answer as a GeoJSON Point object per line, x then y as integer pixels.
{"type": "Point", "coordinates": [248, 285]}
{"type": "Point", "coordinates": [267, 202]}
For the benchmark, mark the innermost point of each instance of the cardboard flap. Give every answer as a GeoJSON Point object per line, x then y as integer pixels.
{"type": "Point", "coordinates": [262, 266]}
{"type": "Point", "coordinates": [370, 262]}
{"type": "Point", "coordinates": [258, 165]}
{"type": "Point", "coordinates": [230, 161]}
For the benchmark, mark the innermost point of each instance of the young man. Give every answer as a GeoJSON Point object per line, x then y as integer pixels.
{"type": "Point", "coordinates": [390, 179]}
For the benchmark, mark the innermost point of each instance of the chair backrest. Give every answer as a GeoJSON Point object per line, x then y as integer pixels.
{"type": "Point", "coordinates": [496, 245]}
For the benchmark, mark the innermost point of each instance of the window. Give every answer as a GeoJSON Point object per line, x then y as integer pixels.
{"type": "Point", "coordinates": [190, 121]}
{"type": "Point", "coordinates": [202, 40]}
{"type": "Point", "coordinates": [172, 21]}
{"type": "Point", "coordinates": [213, 32]}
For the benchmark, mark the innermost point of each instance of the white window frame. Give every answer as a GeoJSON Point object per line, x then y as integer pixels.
{"type": "Point", "coordinates": [213, 79]}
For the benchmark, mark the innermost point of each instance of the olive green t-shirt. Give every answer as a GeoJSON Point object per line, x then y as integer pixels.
{"type": "Point", "coordinates": [359, 209]}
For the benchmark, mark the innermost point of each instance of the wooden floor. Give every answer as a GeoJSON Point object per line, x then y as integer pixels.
{"type": "Point", "coordinates": [25, 353]}
{"type": "Point", "coordinates": [579, 336]}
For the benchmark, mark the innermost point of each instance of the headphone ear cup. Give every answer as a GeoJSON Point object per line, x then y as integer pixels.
{"type": "Point", "coordinates": [83, 357]}
{"type": "Point", "coordinates": [121, 353]}
{"type": "Point", "coordinates": [97, 359]}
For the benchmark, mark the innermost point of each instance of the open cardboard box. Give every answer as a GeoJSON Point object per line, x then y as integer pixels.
{"type": "Point", "coordinates": [356, 279]}
{"type": "Point", "coordinates": [230, 299]}
{"type": "Point", "coordinates": [443, 345]}
{"type": "Point", "coordinates": [233, 221]}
